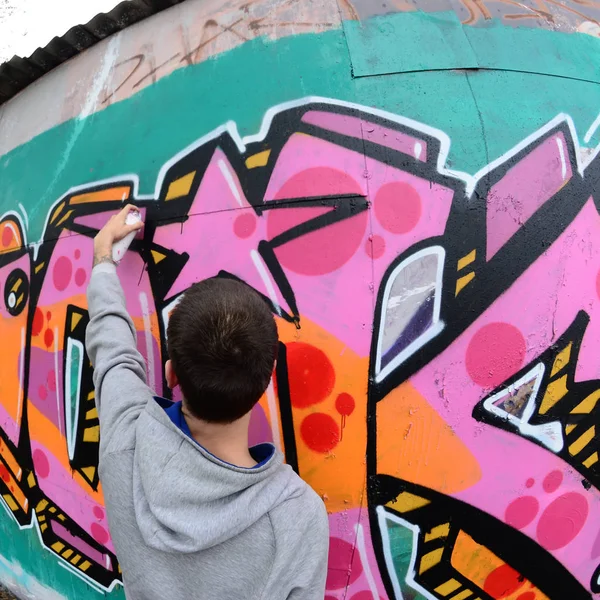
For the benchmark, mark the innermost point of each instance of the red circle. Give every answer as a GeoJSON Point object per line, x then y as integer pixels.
{"type": "Point", "coordinates": [522, 511]}
{"type": "Point", "coordinates": [320, 432]}
{"type": "Point", "coordinates": [526, 596]}
{"type": "Point", "coordinates": [42, 392]}
{"type": "Point", "coordinates": [314, 253]}
{"type": "Point", "coordinates": [562, 520]}
{"type": "Point", "coordinates": [98, 512]}
{"type": "Point", "coordinates": [345, 404]}
{"type": "Point", "coordinates": [41, 464]}
{"type": "Point", "coordinates": [48, 315]}
{"type": "Point", "coordinates": [375, 246]}
{"type": "Point", "coordinates": [80, 277]}
{"type": "Point", "coordinates": [51, 380]}
{"type": "Point", "coordinates": [48, 338]}
{"type": "Point", "coordinates": [364, 595]}
{"type": "Point", "coordinates": [503, 581]}
{"type": "Point", "coordinates": [344, 566]}
{"type": "Point", "coordinates": [244, 225]}
{"type": "Point", "coordinates": [397, 207]}
{"type": "Point", "coordinates": [77, 253]}
{"type": "Point", "coordinates": [99, 533]}
{"type": "Point", "coordinates": [552, 481]}
{"type": "Point", "coordinates": [61, 273]}
{"type": "Point", "coordinates": [310, 374]}
{"type": "Point", "coordinates": [38, 322]}
{"type": "Point", "coordinates": [4, 474]}
{"type": "Point", "coordinates": [530, 482]}
{"type": "Point", "coordinates": [7, 236]}
{"type": "Point", "coordinates": [495, 353]}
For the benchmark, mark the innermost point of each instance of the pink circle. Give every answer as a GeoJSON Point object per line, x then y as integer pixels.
{"type": "Point", "coordinates": [61, 274]}
{"type": "Point", "coordinates": [244, 225]}
{"type": "Point", "coordinates": [530, 482]}
{"type": "Point", "coordinates": [42, 392]}
{"type": "Point", "coordinates": [344, 564]}
{"type": "Point", "coordinates": [77, 253]}
{"type": "Point", "coordinates": [552, 481]}
{"type": "Point", "coordinates": [495, 353]}
{"type": "Point", "coordinates": [51, 380]}
{"type": "Point", "coordinates": [7, 236]}
{"type": "Point", "coordinates": [80, 277]}
{"type": "Point", "coordinates": [364, 595]}
{"type": "Point", "coordinates": [375, 246]}
{"type": "Point", "coordinates": [562, 520]}
{"type": "Point", "coordinates": [99, 533]}
{"type": "Point", "coordinates": [522, 511]}
{"type": "Point", "coordinates": [41, 464]}
{"type": "Point", "coordinates": [98, 513]}
{"type": "Point", "coordinates": [397, 207]}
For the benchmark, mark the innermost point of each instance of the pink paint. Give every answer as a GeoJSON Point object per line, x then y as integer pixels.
{"type": "Point", "coordinates": [552, 481]}
{"type": "Point", "coordinates": [522, 511]}
{"type": "Point", "coordinates": [397, 207]}
{"type": "Point", "coordinates": [259, 430]}
{"type": "Point", "coordinates": [88, 551]}
{"type": "Point", "coordinates": [543, 307]}
{"type": "Point", "coordinates": [358, 128]}
{"type": "Point", "coordinates": [562, 520]}
{"type": "Point", "coordinates": [525, 187]}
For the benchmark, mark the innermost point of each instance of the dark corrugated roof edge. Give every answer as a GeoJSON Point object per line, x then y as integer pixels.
{"type": "Point", "coordinates": [17, 73]}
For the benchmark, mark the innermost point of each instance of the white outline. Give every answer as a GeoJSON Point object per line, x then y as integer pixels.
{"type": "Point", "coordinates": [149, 339]}
{"type": "Point", "coordinates": [71, 434]}
{"type": "Point", "coordinates": [548, 434]}
{"type": "Point", "coordinates": [364, 557]}
{"type": "Point", "coordinates": [382, 516]}
{"type": "Point", "coordinates": [266, 279]}
{"type": "Point", "coordinates": [437, 325]}
{"type": "Point", "coordinates": [592, 130]}
{"type": "Point", "coordinates": [25, 217]}
{"type": "Point", "coordinates": [57, 378]}
{"type": "Point", "coordinates": [230, 182]}
{"type": "Point", "coordinates": [561, 152]}
{"type": "Point", "coordinates": [167, 309]}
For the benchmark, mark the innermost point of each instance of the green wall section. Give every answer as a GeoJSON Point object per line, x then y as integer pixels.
{"type": "Point", "coordinates": [485, 112]}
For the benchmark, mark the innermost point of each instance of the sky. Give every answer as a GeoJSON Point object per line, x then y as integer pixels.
{"type": "Point", "coordinates": [29, 24]}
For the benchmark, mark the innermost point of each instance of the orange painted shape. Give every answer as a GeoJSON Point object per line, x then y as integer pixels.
{"type": "Point", "coordinates": [10, 460]}
{"type": "Point", "coordinates": [14, 490]}
{"type": "Point", "coordinates": [110, 194]}
{"type": "Point", "coordinates": [415, 444]}
{"type": "Point", "coordinates": [476, 562]}
{"type": "Point", "coordinates": [10, 236]}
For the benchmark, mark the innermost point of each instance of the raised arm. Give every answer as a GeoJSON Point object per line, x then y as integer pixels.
{"type": "Point", "coordinates": [119, 368]}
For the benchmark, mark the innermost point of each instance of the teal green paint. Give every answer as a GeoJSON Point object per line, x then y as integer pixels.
{"type": "Point", "coordinates": [416, 41]}
{"type": "Point", "coordinates": [75, 366]}
{"type": "Point", "coordinates": [139, 134]}
{"type": "Point", "coordinates": [410, 41]}
{"type": "Point", "coordinates": [401, 544]}
{"type": "Point", "coordinates": [485, 113]}
{"type": "Point", "coordinates": [23, 547]}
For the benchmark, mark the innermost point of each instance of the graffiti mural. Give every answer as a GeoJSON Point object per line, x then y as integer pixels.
{"type": "Point", "coordinates": [436, 380]}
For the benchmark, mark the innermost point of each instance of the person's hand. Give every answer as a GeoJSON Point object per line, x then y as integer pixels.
{"type": "Point", "coordinates": [112, 232]}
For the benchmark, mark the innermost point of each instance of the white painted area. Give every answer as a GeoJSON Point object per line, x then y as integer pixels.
{"type": "Point", "coordinates": [26, 25]}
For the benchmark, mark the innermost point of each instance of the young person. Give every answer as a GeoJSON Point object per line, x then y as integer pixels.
{"type": "Point", "coordinates": [193, 512]}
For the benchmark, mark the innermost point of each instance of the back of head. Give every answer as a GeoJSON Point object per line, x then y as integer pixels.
{"type": "Point", "coordinates": [222, 341]}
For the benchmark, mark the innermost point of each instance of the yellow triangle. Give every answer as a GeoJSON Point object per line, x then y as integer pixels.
{"type": "Point", "coordinates": [89, 472]}
{"type": "Point", "coordinates": [75, 318]}
{"type": "Point", "coordinates": [158, 256]}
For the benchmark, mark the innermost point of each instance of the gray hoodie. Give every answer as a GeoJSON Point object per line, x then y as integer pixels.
{"type": "Point", "coordinates": [185, 524]}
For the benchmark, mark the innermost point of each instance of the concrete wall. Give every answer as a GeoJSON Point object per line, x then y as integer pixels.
{"type": "Point", "coordinates": [416, 192]}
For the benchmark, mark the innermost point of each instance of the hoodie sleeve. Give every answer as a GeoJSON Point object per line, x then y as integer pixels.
{"type": "Point", "coordinates": [119, 368]}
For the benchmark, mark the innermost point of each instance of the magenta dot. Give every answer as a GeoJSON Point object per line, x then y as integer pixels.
{"type": "Point", "coordinates": [41, 464]}
{"type": "Point", "coordinates": [530, 482]}
{"type": "Point", "coordinates": [495, 353]}
{"type": "Point", "coordinates": [552, 481]}
{"type": "Point", "coordinates": [397, 207]}
{"type": "Point", "coordinates": [98, 513]}
{"type": "Point", "coordinates": [61, 274]}
{"type": "Point", "coordinates": [522, 511]}
{"type": "Point", "coordinates": [562, 520]}
{"type": "Point", "coordinates": [344, 566]}
{"type": "Point", "coordinates": [244, 225]}
{"type": "Point", "coordinates": [80, 277]}
{"type": "Point", "coordinates": [77, 253]}
{"type": "Point", "coordinates": [42, 392]}
{"type": "Point", "coordinates": [375, 246]}
{"type": "Point", "coordinates": [99, 533]}
{"type": "Point", "coordinates": [51, 380]}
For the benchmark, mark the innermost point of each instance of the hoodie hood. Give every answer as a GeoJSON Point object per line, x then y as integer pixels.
{"type": "Point", "coordinates": [175, 481]}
